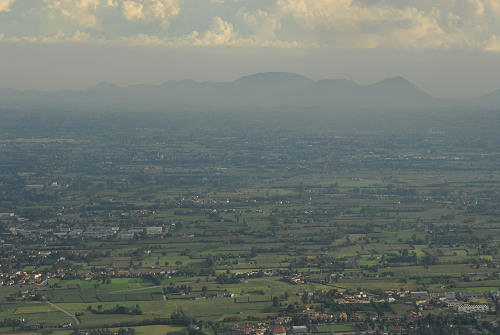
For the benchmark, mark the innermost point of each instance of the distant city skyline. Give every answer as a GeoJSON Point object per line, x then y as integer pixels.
{"type": "Point", "coordinates": [448, 48]}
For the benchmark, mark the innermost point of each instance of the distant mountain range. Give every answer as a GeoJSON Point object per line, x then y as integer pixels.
{"type": "Point", "coordinates": [266, 90]}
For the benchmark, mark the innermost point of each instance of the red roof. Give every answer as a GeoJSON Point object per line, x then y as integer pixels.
{"type": "Point", "coordinates": [278, 329]}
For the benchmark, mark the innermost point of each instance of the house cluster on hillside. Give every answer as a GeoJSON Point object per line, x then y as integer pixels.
{"type": "Point", "coordinates": [20, 278]}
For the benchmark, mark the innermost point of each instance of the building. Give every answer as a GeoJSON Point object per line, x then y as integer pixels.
{"type": "Point", "coordinates": [299, 329]}
{"type": "Point", "coordinates": [126, 236]}
{"type": "Point", "coordinates": [154, 230]}
{"type": "Point", "coordinates": [450, 295]}
{"type": "Point", "coordinates": [279, 330]}
{"type": "Point", "coordinates": [419, 294]}
{"type": "Point", "coordinates": [472, 308]}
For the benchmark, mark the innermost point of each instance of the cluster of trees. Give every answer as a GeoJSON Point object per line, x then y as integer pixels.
{"type": "Point", "coordinates": [177, 289]}
{"type": "Point", "coordinates": [10, 322]}
{"type": "Point", "coordinates": [445, 325]}
{"type": "Point", "coordinates": [121, 331]}
{"type": "Point", "coordinates": [225, 278]}
{"type": "Point", "coordinates": [134, 310]}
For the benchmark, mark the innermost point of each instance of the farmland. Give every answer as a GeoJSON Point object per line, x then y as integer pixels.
{"type": "Point", "coordinates": [189, 223]}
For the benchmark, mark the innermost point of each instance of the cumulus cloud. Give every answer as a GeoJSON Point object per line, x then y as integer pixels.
{"type": "Point", "coordinates": [493, 44]}
{"type": "Point", "coordinates": [80, 12]}
{"type": "Point", "coordinates": [144, 40]}
{"type": "Point", "coordinates": [133, 10]}
{"type": "Point", "coordinates": [260, 23]}
{"type": "Point", "coordinates": [112, 3]}
{"type": "Point", "coordinates": [5, 5]}
{"type": "Point", "coordinates": [382, 24]}
{"type": "Point", "coordinates": [409, 24]}
{"type": "Point", "coordinates": [348, 16]}
{"type": "Point", "coordinates": [493, 6]}
{"type": "Point", "coordinates": [60, 36]}
{"type": "Point", "coordinates": [165, 9]}
{"type": "Point", "coordinates": [221, 33]}
{"type": "Point", "coordinates": [150, 10]}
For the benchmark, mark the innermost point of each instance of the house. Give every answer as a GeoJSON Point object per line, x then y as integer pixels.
{"type": "Point", "coordinates": [419, 294]}
{"type": "Point", "coordinates": [51, 325]}
{"type": "Point", "coordinates": [45, 253]}
{"type": "Point", "coordinates": [135, 231]}
{"type": "Point", "coordinates": [154, 230]}
{"type": "Point", "coordinates": [468, 295]}
{"type": "Point", "coordinates": [472, 308]}
{"type": "Point", "coordinates": [495, 294]}
{"type": "Point", "coordinates": [299, 329]}
{"type": "Point", "coordinates": [355, 317]}
{"type": "Point", "coordinates": [75, 232]}
{"type": "Point", "coordinates": [260, 330]}
{"type": "Point", "coordinates": [450, 296]}
{"type": "Point", "coordinates": [279, 330]}
{"type": "Point", "coordinates": [284, 320]}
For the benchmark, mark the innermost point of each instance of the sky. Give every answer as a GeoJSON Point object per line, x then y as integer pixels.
{"type": "Point", "coordinates": [450, 48]}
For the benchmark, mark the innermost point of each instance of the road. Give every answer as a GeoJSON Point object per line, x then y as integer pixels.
{"type": "Point", "coordinates": [62, 310]}
{"type": "Point", "coordinates": [137, 289]}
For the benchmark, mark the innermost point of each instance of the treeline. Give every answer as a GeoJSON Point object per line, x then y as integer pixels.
{"type": "Point", "coordinates": [121, 331]}
{"type": "Point", "coordinates": [135, 310]}
{"type": "Point", "coordinates": [447, 325]}
{"type": "Point", "coordinates": [10, 322]}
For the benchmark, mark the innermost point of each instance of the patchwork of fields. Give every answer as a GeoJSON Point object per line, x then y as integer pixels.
{"type": "Point", "coordinates": [161, 227]}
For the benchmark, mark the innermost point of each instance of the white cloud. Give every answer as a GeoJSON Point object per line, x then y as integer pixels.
{"type": "Point", "coordinates": [221, 33]}
{"type": "Point", "coordinates": [111, 3]}
{"type": "Point", "coordinates": [60, 36]}
{"type": "Point", "coordinates": [164, 9]}
{"type": "Point", "coordinates": [409, 24]}
{"type": "Point", "coordinates": [144, 40]}
{"type": "Point", "coordinates": [493, 6]}
{"type": "Point", "coordinates": [261, 24]}
{"type": "Point", "coordinates": [79, 12]}
{"type": "Point", "coordinates": [493, 44]}
{"type": "Point", "coordinates": [150, 9]}
{"type": "Point", "coordinates": [133, 10]}
{"type": "Point", "coordinates": [5, 5]}
{"type": "Point", "coordinates": [478, 6]}
{"type": "Point", "coordinates": [388, 24]}
{"type": "Point", "coordinates": [345, 15]}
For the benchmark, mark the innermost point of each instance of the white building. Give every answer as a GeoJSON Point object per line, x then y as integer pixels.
{"type": "Point", "coordinates": [472, 308]}
{"type": "Point", "coordinates": [154, 230]}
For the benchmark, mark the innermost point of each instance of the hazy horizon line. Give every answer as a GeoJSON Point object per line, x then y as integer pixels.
{"type": "Point", "coordinates": [236, 78]}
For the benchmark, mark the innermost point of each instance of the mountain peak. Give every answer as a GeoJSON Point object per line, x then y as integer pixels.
{"type": "Point", "coordinates": [273, 78]}
{"type": "Point", "coordinates": [396, 81]}
{"type": "Point", "coordinates": [103, 85]}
